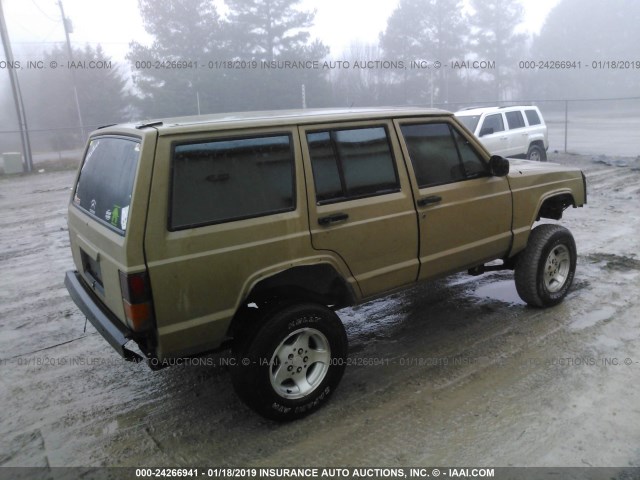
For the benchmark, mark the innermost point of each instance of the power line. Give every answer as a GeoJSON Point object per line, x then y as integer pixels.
{"type": "Point", "coordinates": [55, 20]}
{"type": "Point", "coordinates": [66, 23]}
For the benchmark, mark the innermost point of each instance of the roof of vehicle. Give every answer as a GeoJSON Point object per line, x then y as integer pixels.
{"type": "Point", "coordinates": [269, 118]}
{"type": "Point", "coordinates": [480, 110]}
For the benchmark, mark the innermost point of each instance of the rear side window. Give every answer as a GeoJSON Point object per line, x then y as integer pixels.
{"type": "Point", "coordinates": [532, 117]}
{"type": "Point", "coordinates": [352, 163]}
{"type": "Point", "coordinates": [232, 179]}
{"type": "Point", "coordinates": [515, 120]}
{"type": "Point", "coordinates": [106, 179]}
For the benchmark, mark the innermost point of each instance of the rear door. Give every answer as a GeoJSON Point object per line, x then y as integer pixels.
{"type": "Point", "coordinates": [464, 213]}
{"type": "Point", "coordinates": [108, 210]}
{"type": "Point", "coordinates": [360, 202]}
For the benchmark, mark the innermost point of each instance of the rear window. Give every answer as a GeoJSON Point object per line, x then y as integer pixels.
{"type": "Point", "coordinates": [106, 179]}
{"type": "Point", "coordinates": [232, 179]}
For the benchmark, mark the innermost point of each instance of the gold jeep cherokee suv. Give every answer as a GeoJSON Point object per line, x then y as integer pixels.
{"type": "Point", "coordinates": [249, 230]}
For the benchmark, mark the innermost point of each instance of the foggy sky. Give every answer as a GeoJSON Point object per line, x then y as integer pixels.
{"type": "Point", "coordinates": [35, 25]}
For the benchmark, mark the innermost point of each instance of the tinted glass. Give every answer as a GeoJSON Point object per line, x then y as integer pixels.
{"type": "Point", "coordinates": [106, 180]}
{"type": "Point", "coordinates": [515, 120]}
{"type": "Point", "coordinates": [352, 163]}
{"type": "Point", "coordinates": [326, 175]}
{"type": "Point", "coordinates": [532, 117]}
{"type": "Point", "coordinates": [472, 164]}
{"type": "Point", "coordinates": [225, 180]}
{"type": "Point", "coordinates": [493, 122]}
{"type": "Point", "coordinates": [433, 153]}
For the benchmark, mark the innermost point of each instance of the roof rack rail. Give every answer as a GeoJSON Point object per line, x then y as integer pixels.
{"type": "Point", "coordinates": [149, 124]}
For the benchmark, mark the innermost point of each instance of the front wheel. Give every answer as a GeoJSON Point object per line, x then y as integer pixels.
{"type": "Point", "coordinates": [291, 362]}
{"type": "Point", "coordinates": [545, 270]}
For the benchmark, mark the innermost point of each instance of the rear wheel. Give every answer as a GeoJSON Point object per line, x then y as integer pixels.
{"type": "Point", "coordinates": [545, 270]}
{"type": "Point", "coordinates": [537, 153]}
{"type": "Point", "coordinates": [289, 364]}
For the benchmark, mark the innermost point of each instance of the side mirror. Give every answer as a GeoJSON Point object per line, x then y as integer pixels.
{"type": "Point", "coordinates": [498, 166]}
{"type": "Point", "coordinates": [486, 131]}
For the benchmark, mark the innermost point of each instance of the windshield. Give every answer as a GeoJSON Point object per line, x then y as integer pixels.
{"type": "Point", "coordinates": [469, 121]}
{"type": "Point", "coordinates": [106, 180]}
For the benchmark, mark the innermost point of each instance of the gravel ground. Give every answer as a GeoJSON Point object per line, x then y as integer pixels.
{"type": "Point", "coordinates": [453, 372]}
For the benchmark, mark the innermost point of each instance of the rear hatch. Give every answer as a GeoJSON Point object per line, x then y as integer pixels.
{"type": "Point", "coordinates": [107, 214]}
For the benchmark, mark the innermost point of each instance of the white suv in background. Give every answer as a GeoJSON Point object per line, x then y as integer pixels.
{"type": "Point", "coordinates": [517, 131]}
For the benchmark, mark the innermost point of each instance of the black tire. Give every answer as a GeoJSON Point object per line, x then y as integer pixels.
{"type": "Point", "coordinates": [536, 153]}
{"type": "Point", "coordinates": [274, 370]}
{"type": "Point", "coordinates": [545, 269]}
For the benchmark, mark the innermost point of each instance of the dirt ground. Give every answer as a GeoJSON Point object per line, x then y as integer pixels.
{"type": "Point", "coordinates": [455, 372]}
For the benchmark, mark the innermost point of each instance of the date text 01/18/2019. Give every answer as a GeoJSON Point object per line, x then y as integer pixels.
{"type": "Point", "coordinates": [579, 65]}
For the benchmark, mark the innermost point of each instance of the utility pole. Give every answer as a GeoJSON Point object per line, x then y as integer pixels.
{"type": "Point", "coordinates": [67, 29]}
{"type": "Point", "coordinates": [17, 95]}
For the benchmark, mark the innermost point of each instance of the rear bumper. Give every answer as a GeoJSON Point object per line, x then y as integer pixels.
{"type": "Point", "coordinates": [105, 322]}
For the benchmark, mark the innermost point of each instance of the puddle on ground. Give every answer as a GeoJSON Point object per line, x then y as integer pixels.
{"type": "Point", "coordinates": [502, 290]}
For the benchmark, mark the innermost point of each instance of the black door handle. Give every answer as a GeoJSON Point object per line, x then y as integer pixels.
{"type": "Point", "coordinates": [423, 202]}
{"type": "Point", "coordinates": [329, 219]}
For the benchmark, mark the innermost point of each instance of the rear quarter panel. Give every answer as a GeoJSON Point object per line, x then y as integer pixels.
{"type": "Point", "coordinates": [200, 276]}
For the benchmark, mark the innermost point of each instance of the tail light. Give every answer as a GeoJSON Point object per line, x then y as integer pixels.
{"type": "Point", "coordinates": [136, 299]}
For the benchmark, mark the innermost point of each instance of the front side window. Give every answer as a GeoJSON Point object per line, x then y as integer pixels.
{"type": "Point", "coordinates": [472, 164]}
{"type": "Point", "coordinates": [440, 155]}
{"type": "Point", "coordinates": [223, 180]}
{"type": "Point", "coordinates": [469, 121]}
{"type": "Point", "coordinates": [105, 184]}
{"type": "Point", "coordinates": [515, 120]}
{"type": "Point", "coordinates": [492, 124]}
{"type": "Point", "coordinates": [351, 163]}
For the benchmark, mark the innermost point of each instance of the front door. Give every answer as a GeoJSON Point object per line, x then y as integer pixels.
{"type": "Point", "coordinates": [464, 212]}
{"type": "Point", "coordinates": [493, 134]}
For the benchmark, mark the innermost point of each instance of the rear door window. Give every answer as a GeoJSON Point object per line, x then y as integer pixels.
{"type": "Point", "coordinates": [515, 120]}
{"type": "Point", "coordinates": [352, 163]}
{"type": "Point", "coordinates": [106, 180]}
{"type": "Point", "coordinates": [231, 179]}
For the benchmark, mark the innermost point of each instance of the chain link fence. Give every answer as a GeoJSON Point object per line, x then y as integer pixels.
{"type": "Point", "coordinates": [589, 127]}
{"type": "Point", "coordinates": [51, 149]}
